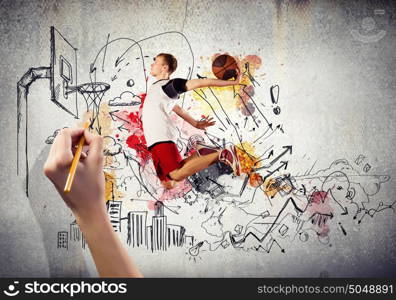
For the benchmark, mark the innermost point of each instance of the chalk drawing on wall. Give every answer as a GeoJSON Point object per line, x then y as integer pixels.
{"type": "Point", "coordinates": [265, 209]}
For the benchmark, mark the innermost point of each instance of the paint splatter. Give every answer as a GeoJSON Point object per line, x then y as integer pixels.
{"type": "Point", "coordinates": [111, 191]}
{"type": "Point", "coordinates": [102, 126]}
{"type": "Point", "coordinates": [255, 180]}
{"type": "Point", "coordinates": [320, 212]}
{"type": "Point", "coordinates": [247, 158]}
{"type": "Point", "coordinates": [233, 96]}
{"type": "Point", "coordinates": [132, 123]}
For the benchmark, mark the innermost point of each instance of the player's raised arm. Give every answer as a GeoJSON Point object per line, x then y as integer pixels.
{"type": "Point", "coordinates": [207, 82]}
{"type": "Point", "coordinates": [184, 115]}
{"type": "Point", "coordinates": [200, 124]}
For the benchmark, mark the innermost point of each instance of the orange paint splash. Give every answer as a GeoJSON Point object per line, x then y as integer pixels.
{"type": "Point", "coordinates": [255, 180]}
{"type": "Point", "coordinates": [248, 161]}
{"type": "Point", "coordinates": [247, 158]}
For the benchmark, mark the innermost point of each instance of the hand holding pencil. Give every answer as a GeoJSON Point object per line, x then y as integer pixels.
{"type": "Point", "coordinates": [76, 159]}
{"type": "Point", "coordinates": [80, 181]}
{"type": "Point", "coordinates": [78, 178]}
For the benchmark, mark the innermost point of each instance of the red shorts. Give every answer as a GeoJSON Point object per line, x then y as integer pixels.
{"type": "Point", "coordinates": [166, 158]}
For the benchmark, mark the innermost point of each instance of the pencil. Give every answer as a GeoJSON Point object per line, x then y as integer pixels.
{"type": "Point", "coordinates": [75, 161]}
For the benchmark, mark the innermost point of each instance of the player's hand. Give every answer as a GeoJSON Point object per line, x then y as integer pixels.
{"type": "Point", "coordinates": [205, 122]}
{"type": "Point", "coordinates": [239, 76]}
{"type": "Point", "coordinates": [87, 196]}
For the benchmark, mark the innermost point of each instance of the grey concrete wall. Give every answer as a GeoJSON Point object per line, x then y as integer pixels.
{"type": "Point", "coordinates": [335, 64]}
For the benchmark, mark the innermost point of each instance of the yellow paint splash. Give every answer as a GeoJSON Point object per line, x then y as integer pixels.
{"type": "Point", "coordinates": [225, 95]}
{"type": "Point", "coordinates": [103, 125]}
{"type": "Point", "coordinates": [111, 191]}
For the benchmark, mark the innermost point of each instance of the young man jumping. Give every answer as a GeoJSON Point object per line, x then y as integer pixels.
{"type": "Point", "coordinates": [161, 133]}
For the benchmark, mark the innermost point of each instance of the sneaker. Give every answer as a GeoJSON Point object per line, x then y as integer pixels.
{"type": "Point", "coordinates": [229, 156]}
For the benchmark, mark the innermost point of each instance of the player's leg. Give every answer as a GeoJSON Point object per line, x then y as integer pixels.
{"type": "Point", "coordinates": [170, 184]}
{"type": "Point", "coordinates": [194, 165]}
{"type": "Point", "coordinates": [228, 155]}
{"type": "Point", "coordinates": [201, 150]}
{"type": "Point", "coordinates": [184, 161]}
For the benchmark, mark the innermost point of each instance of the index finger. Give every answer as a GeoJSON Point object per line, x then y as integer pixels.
{"type": "Point", "coordinates": [63, 142]}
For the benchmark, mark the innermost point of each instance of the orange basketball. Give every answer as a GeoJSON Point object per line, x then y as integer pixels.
{"type": "Point", "coordinates": [224, 67]}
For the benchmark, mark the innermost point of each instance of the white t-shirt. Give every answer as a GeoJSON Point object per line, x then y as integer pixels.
{"type": "Point", "coordinates": [157, 124]}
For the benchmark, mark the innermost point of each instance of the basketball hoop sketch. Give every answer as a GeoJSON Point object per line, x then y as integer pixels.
{"type": "Point", "coordinates": [93, 93]}
{"type": "Point", "coordinates": [62, 74]}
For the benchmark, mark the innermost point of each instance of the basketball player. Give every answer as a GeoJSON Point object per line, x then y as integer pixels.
{"type": "Point", "coordinates": [160, 132]}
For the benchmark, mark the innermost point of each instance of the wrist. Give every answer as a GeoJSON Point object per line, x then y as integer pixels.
{"type": "Point", "coordinates": [92, 215]}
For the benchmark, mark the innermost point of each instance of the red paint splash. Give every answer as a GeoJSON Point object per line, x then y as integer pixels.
{"type": "Point", "coordinates": [138, 143]}
{"type": "Point", "coordinates": [178, 191]}
{"type": "Point", "coordinates": [318, 197]}
{"type": "Point", "coordinates": [319, 211]}
{"type": "Point", "coordinates": [136, 139]}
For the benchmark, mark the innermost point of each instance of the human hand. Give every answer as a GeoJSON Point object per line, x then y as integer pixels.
{"type": "Point", "coordinates": [238, 77]}
{"type": "Point", "coordinates": [86, 197]}
{"type": "Point", "coordinates": [205, 122]}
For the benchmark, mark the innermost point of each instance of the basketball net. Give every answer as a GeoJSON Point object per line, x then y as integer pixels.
{"type": "Point", "coordinates": [93, 93]}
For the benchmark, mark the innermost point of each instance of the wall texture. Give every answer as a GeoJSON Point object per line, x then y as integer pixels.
{"type": "Point", "coordinates": [323, 207]}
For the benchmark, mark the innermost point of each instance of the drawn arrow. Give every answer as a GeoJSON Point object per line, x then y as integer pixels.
{"type": "Point", "coordinates": [244, 184]}
{"type": "Point", "coordinates": [112, 114]}
{"type": "Point", "coordinates": [270, 126]}
{"type": "Point", "coordinates": [177, 207]}
{"type": "Point", "coordinates": [280, 128]}
{"type": "Point", "coordinates": [201, 77]}
{"type": "Point", "coordinates": [92, 68]}
{"type": "Point", "coordinates": [289, 200]}
{"type": "Point", "coordinates": [113, 41]}
{"type": "Point", "coordinates": [99, 130]}
{"type": "Point", "coordinates": [118, 60]}
{"type": "Point", "coordinates": [283, 165]}
{"type": "Point", "coordinates": [104, 55]}
{"type": "Point", "coordinates": [287, 149]}
{"type": "Point", "coordinates": [247, 93]}
{"type": "Point", "coordinates": [120, 128]}
{"type": "Point", "coordinates": [134, 42]}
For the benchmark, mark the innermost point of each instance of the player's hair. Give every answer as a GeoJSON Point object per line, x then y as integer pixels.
{"type": "Point", "coordinates": [170, 60]}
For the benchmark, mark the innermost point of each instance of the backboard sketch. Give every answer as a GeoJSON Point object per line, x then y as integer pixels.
{"type": "Point", "coordinates": [63, 70]}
